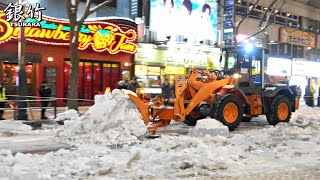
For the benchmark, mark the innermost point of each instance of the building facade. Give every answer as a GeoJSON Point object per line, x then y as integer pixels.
{"type": "Point", "coordinates": [292, 37]}
{"type": "Point", "coordinates": [173, 37]}
{"type": "Point", "coordinates": [106, 49]}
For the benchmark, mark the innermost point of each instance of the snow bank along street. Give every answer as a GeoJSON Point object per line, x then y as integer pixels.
{"type": "Point", "coordinates": [107, 143]}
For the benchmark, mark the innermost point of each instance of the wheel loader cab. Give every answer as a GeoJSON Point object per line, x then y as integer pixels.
{"type": "Point", "coordinates": [248, 63]}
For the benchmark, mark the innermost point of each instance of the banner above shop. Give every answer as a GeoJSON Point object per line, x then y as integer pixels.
{"type": "Point", "coordinates": [297, 37]}
{"type": "Point", "coordinates": [101, 35]}
{"type": "Point", "coordinates": [171, 57]}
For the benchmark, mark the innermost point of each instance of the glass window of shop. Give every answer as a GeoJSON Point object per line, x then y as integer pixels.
{"type": "Point", "coordinates": [94, 77]}
{"type": "Point", "coordinates": [273, 50]}
{"type": "Point", "coordinates": [9, 77]}
{"type": "Point", "coordinates": [148, 76]}
{"type": "Point", "coordinates": [288, 50]}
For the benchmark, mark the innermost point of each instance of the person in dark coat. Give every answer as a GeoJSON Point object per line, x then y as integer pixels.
{"type": "Point", "coordinates": [44, 92]}
{"type": "Point", "coordinates": [167, 89]}
{"type": "Point", "coordinates": [126, 84]}
{"type": "Point", "coordinates": [120, 84]}
{"type": "Point", "coordinates": [2, 99]}
{"type": "Point", "coordinates": [133, 85]}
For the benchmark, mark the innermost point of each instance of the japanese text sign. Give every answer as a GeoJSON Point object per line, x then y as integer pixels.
{"type": "Point", "coordinates": [297, 37]}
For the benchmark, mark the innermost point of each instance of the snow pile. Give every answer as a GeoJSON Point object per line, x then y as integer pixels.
{"type": "Point", "coordinates": [279, 149]}
{"type": "Point", "coordinates": [10, 126]}
{"type": "Point", "coordinates": [70, 114]}
{"type": "Point", "coordinates": [210, 127]}
{"type": "Point", "coordinates": [112, 120]}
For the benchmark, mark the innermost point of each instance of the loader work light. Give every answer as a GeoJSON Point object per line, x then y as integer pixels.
{"type": "Point", "coordinates": [237, 76]}
{"type": "Point", "coordinates": [249, 47]}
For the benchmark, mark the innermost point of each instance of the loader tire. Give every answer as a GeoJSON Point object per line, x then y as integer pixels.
{"type": "Point", "coordinates": [228, 110]}
{"type": "Point", "coordinates": [280, 110]}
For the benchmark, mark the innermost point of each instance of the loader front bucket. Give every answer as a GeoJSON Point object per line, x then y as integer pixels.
{"type": "Point", "coordinates": [143, 108]}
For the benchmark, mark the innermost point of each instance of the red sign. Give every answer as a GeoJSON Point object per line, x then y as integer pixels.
{"type": "Point", "coordinates": [100, 35]}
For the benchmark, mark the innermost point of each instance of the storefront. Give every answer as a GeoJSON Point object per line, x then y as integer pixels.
{"type": "Point", "coordinates": [170, 62]}
{"type": "Point", "coordinates": [106, 52]}
{"type": "Point", "coordinates": [302, 69]}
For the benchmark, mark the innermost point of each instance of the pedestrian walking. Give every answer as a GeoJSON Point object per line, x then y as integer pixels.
{"type": "Point", "coordinates": [120, 84]}
{"type": "Point", "coordinates": [309, 94]}
{"type": "Point", "coordinates": [167, 89]}
{"type": "Point", "coordinates": [133, 85]}
{"type": "Point", "coordinates": [44, 92]}
{"type": "Point", "coordinates": [2, 99]}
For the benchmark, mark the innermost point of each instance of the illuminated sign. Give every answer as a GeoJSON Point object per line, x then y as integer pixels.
{"type": "Point", "coordinates": [141, 70]}
{"type": "Point", "coordinates": [297, 37]}
{"type": "Point", "coordinates": [174, 70]}
{"type": "Point", "coordinates": [153, 71]}
{"type": "Point", "coordinates": [191, 19]}
{"type": "Point", "coordinates": [100, 35]}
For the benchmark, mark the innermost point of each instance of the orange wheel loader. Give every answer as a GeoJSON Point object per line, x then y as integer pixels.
{"type": "Point", "coordinates": [236, 92]}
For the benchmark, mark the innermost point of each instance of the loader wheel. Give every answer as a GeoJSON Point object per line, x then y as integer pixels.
{"type": "Point", "coordinates": [246, 119]}
{"type": "Point", "coordinates": [228, 110]}
{"type": "Point", "coordinates": [280, 110]}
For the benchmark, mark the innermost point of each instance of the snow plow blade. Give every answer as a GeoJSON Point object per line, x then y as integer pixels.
{"type": "Point", "coordinates": [143, 107]}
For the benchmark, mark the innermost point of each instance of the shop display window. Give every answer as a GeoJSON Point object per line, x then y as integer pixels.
{"type": "Point", "coordinates": [106, 76]}
{"type": "Point", "coordinates": [115, 75]}
{"type": "Point", "coordinates": [9, 77]}
{"type": "Point", "coordinates": [88, 83]}
{"type": "Point", "coordinates": [10, 73]}
{"type": "Point", "coordinates": [80, 81]}
{"type": "Point", "coordinates": [6, 73]}
{"type": "Point", "coordinates": [94, 77]}
{"type": "Point", "coordinates": [66, 71]}
{"type": "Point", "coordinates": [29, 73]}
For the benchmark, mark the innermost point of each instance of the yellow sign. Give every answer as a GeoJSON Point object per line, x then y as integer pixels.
{"type": "Point", "coordinates": [141, 70]}
{"type": "Point", "coordinates": [297, 37]}
{"type": "Point", "coordinates": [100, 35]}
{"type": "Point", "coordinates": [174, 70]}
{"type": "Point", "coordinates": [153, 71]}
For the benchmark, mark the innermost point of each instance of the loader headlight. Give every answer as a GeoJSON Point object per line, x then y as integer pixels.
{"type": "Point", "coordinates": [237, 76]}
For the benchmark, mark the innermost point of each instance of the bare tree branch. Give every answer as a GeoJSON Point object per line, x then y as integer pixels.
{"type": "Point", "coordinates": [90, 10]}
{"type": "Point", "coordinates": [99, 6]}
{"type": "Point", "coordinates": [86, 12]}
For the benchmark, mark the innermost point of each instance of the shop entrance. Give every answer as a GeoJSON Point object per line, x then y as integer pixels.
{"type": "Point", "coordinates": [9, 76]}
{"type": "Point", "coordinates": [94, 77]}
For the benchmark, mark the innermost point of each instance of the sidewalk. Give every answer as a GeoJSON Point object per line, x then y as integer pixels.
{"type": "Point", "coordinates": [36, 113]}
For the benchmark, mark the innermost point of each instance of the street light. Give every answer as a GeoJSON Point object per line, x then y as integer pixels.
{"type": "Point", "coordinates": [22, 89]}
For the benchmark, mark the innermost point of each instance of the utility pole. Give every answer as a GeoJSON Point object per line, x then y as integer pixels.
{"type": "Point", "coordinates": [22, 90]}
{"type": "Point", "coordinates": [266, 39]}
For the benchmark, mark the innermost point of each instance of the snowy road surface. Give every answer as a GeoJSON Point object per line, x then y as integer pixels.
{"type": "Point", "coordinates": [254, 151]}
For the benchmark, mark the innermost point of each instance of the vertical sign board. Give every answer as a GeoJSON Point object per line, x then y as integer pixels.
{"type": "Point", "coordinates": [229, 18]}
{"type": "Point", "coordinates": [134, 9]}
{"type": "Point", "coordinates": [51, 77]}
{"type": "Point", "coordinates": [180, 81]}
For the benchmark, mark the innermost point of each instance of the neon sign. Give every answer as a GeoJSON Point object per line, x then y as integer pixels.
{"type": "Point", "coordinates": [100, 35]}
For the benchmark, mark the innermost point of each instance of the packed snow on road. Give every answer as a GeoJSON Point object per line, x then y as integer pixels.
{"type": "Point", "coordinates": [107, 142]}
